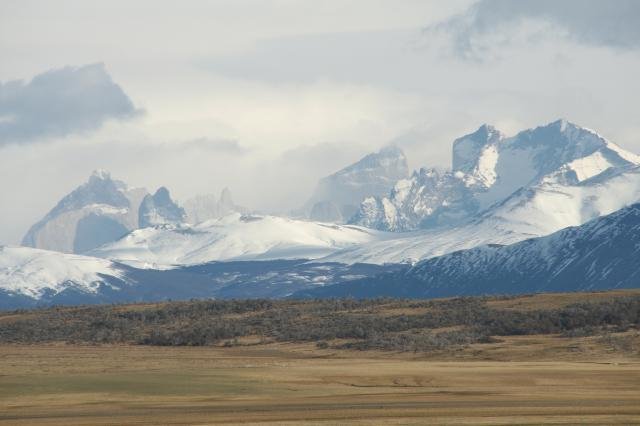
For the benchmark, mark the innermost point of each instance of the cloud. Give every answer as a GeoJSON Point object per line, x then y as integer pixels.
{"type": "Point", "coordinates": [601, 23]}
{"type": "Point", "coordinates": [344, 57]}
{"type": "Point", "coordinates": [219, 146]}
{"type": "Point", "coordinates": [60, 102]}
{"type": "Point", "coordinates": [327, 156]}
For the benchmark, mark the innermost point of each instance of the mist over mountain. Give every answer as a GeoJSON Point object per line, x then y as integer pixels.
{"type": "Point", "coordinates": [337, 196]}
{"type": "Point", "coordinates": [204, 207]}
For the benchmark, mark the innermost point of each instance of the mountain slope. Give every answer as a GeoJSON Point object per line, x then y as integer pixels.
{"type": "Point", "coordinates": [234, 237]}
{"type": "Point", "coordinates": [99, 211]}
{"type": "Point", "coordinates": [601, 254]}
{"type": "Point", "coordinates": [337, 196]}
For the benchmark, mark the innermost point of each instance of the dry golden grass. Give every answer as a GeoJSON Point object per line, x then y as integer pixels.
{"type": "Point", "coordinates": [557, 300]}
{"type": "Point", "coordinates": [522, 380]}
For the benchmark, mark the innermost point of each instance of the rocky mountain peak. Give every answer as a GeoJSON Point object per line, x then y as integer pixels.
{"type": "Point", "coordinates": [469, 149]}
{"type": "Point", "coordinates": [159, 209]}
{"type": "Point", "coordinates": [98, 211]}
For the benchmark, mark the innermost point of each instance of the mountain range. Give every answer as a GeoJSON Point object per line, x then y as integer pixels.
{"type": "Point", "coordinates": [540, 181]}
{"type": "Point", "coordinates": [371, 223]}
{"type": "Point", "coordinates": [601, 254]}
{"type": "Point", "coordinates": [489, 169]}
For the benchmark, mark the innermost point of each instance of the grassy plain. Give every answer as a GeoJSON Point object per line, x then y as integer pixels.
{"type": "Point", "coordinates": [531, 379]}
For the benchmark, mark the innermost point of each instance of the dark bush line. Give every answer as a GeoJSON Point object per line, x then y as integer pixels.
{"type": "Point", "coordinates": [200, 323]}
{"type": "Point", "coordinates": [418, 342]}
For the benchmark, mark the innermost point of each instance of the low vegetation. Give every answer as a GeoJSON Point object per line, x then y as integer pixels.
{"type": "Point", "coordinates": [381, 324]}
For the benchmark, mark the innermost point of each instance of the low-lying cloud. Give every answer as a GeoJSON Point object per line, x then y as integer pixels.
{"type": "Point", "coordinates": [600, 23]}
{"type": "Point", "coordinates": [60, 102]}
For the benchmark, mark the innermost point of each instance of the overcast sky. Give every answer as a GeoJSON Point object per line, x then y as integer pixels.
{"type": "Point", "coordinates": [267, 96]}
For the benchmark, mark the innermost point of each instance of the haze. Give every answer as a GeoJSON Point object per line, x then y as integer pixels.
{"type": "Point", "coordinates": [265, 97]}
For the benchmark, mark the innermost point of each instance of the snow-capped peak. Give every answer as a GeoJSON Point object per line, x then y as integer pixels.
{"type": "Point", "coordinates": [468, 149]}
{"type": "Point", "coordinates": [562, 124]}
{"type": "Point", "coordinates": [488, 168]}
{"type": "Point", "coordinates": [476, 155]}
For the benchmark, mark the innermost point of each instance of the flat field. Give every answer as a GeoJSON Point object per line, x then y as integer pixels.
{"type": "Point", "coordinates": [513, 379]}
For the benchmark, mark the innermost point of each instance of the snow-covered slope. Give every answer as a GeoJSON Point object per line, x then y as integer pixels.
{"type": "Point", "coordinates": [99, 211]}
{"type": "Point", "coordinates": [32, 272]}
{"type": "Point", "coordinates": [410, 247]}
{"type": "Point", "coordinates": [33, 277]}
{"type": "Point", "coordinates": [600, 254]}
{"type": "Point", "coordinates": [554, 204]}
{"type": "Point", "coordinates": [337, 197]}
{"type": "Point", "coordinates": [234, 237]}
{"type": "Point", "coordinates": [488, 168]}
